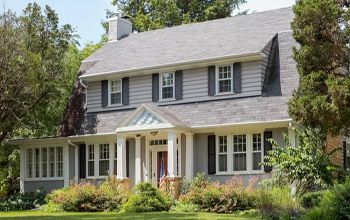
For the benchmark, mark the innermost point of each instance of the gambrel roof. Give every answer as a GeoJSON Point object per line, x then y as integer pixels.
{"type": "Point", "coordinates": [235, 36]}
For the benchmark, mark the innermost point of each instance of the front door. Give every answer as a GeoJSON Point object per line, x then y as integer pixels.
{"type": "Point", "coordinates": [162, 164]}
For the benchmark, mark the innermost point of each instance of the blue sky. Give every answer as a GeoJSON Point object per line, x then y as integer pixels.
{"type": "Point", "coordinates": [86, 15]}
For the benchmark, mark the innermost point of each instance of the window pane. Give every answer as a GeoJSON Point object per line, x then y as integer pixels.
{"type": "Point", "coordinates": [104, 168]}
{"type": "Point", "coordinates": [256, 142]}
{"type": "Point", "coordinates": [225, 86]}
{"type": "Point", "coordinates": [104, 151]}
{"type": "Point", "coordinates": [29, 163]}
{"type": "Point", "coordinates": [222, 163]}
{"type": "Point", "coordinates": [256, 161]}
{"type": "Point", "coordinates": [59, 161]}
{"type": "Point", "coordinates": [116, 98]}
{"type": "Point", "coordinates": [91, 168]}
{"type": "Point", "coordinates": [167, 92]}
{"type": "Point", "coordinates": [43, 162]}
{"type": "Point", "coordinates": [37, 162]}
{"type": "Point", "coordinates": [239, 143]}
{"type": "Point", "coordinates": [115, 86]}
{"type": "Point", "coordinates": [168, 79]}
{"type": "Point", "coordinates": [239, 162]}
{"type": "Point", "coordinates": [115, 167]}
{"type": "Point", "coordinates": [115, 151]}
{"type": "Point", "coordinates": [51, 162]}
{"type": "Point", "coordinates": [222, 144]}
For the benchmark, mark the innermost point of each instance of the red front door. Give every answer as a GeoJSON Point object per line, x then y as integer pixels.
{"type": "Point", "coordinates": [162, 164]}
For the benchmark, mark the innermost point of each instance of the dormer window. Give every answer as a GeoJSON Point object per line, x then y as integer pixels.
{"type": "Point", "coordinates": [115, 92]}
{"type": "Point", "coordinates": [224, 80]}
{"type": "Point", "coordinates": [167, 88]}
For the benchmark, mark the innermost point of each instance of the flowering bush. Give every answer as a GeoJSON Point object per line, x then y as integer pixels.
{"type": "Point", "coordinates": [222, 198]}
{"type": "Point", "coordinates": [87, 197]}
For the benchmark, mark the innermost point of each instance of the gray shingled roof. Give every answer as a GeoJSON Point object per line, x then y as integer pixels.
{"type": "Point", "coordinates": [245, 34]}
{"type": "Point", "coordinates": [242, 110]}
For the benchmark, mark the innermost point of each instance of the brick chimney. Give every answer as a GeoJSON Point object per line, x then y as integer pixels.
{"type": "Point", "coordinates": [119, 27]}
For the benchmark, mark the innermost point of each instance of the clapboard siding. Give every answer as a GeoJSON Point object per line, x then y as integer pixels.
{"type": "Point", "coordinates": [265, 60]}
{"type": "Point", "coordinates": [195, 87]}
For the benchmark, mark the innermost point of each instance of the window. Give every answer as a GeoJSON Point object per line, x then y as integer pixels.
{"type": "Point", "coordinates": [91, 157]}
{"type": "Point", "coordinates": [222, 154]}
{"type": "Point", "coordinates": [239, 152]}
{"type": "Point", "coordinates": [37, 162]}
{"type": "Point", "coordinates": [51, 162]}
{"type": "Point", "coordinates": [59, 161]}
{"type": "Point", "coordinates": [115, 92]}
{"type": "Point", "coordinates": [115, 158]}
{"type": "Point", "coordinates": [224, 79]}
{"type": "Point", "coordinates": [29, 163]}
{"type": "Point", "coordinates": [256, 151]}
{"type": "Point", "coordinates": [43, 162]}
{"type": "Point", "coordinates": [167, 86]}
{"type": "Point", "coordinates": [104, 160]}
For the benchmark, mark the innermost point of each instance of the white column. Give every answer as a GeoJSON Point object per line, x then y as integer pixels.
{"type": "Point", "coordinates": [22, 168]}
{"type": "Point", "coordinates": [121, 153]}
{"type": "Point", "coordinates": [291, 136]}
{"type": "Point", "coordinates": [76, 164]}
{"type": "Point", "coordinates": [66, 165]}
{"type": "Point", "coordinates": [111, 158]}
{"type": "Point", "coordinates": [172, 163]}
{"type": "Point", "coordinates": [138, 167]}
{"type": "Point", "coordinates": [96, 160]}
{"type": "Point", "coordinates": [189, 155]}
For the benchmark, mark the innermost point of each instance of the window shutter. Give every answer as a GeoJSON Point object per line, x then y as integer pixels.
{"type": "Point", "coordinates": [237, 77]}
{"type": "Point", "coordinates": [104, 86]}
{"type": "Point", "coordinates": [82, 161]}
{"type": "Point", "coordinates": [267, 148]}
{"type": "Point", "coordinates": [155, 87]}
{"type": "Point", "coordinates": [211, 80]}
{"type": "Point", "coordinates": [344, 155]}
{"type": "Point", "coordinates": [211, 155]}
{"type": "Point", "coordinates": [125, 91]}
{"type": "Point", "coordinates": [178, 84]}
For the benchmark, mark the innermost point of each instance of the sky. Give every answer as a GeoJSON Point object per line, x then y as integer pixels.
{"type": "Point", "coordinates": [86, 15]}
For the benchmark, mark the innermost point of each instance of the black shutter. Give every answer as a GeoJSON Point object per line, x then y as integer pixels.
{"type": "Point", "coordinates": [237, 77]}
{"type": "Point", "coordinates": [155, 87]}
{"type": "Point", "coordinates": [125, 91]}
{"type": "Point", "coordinates": [104, 92]}
{"type": "Point", "coordinates": [82, 161]}
{"type": "Point", "coordinates": [211, 80]}
{"type": "Point", "coordinates": [178, 84]}
{"type": "Point", "coordinates": [267, 148]}
{"type": "Point", "coordinates": [344, 155]}
{"type": "Point", "coordinates": [211, 155]}
{"type": "Point", "coordinates": [127, 159]}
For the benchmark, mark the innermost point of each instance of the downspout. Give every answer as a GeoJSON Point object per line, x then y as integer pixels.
{"type": "Point", "coordinates": [76, 164]}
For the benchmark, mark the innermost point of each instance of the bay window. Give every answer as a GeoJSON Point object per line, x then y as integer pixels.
{"type": "Point", "coordinates": [257, 152]}
{"type": "Point", "coordinates": [59, 161]}
{"type": "Point", "coordinates": [104, 160]}
{"type": "Point", "coordinates": [222, 154]}
{"type": "Point", "coordinates": [44, 162]}
{"type": "Point", "coordinates": [239, 152]}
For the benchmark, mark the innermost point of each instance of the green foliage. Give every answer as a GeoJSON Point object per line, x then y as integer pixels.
{"type": "Point", "coordinates": [86, 197]}
{"type": "Point", "coordinates": [9, 170]}
{"type": "Point", "coordinates": [22, 201]}
{"type": "Point", "coordinates": [322, 31]}
{"type": "Point", "coordinates": [335, 203]}
{"type": "Point", "coordinates": [222, 198]}
{"type": "Point", "coordinates": [184, 207]}
{"type": "Point", "coordinates": [311, 199]}
{"type": "Point", "coordinates": [306, 165]}
{"type": "Point", "coordinates": [154, 14]}
{"type": "Point", "coordinates": [146, 198]}
{"type": "Point", "coordinates": [276, 203]}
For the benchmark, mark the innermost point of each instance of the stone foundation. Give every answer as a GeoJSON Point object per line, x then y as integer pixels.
{"type": "Point", "coordinates": [171, 186]}
{"type": "Point", "coordinates": [335, 144]}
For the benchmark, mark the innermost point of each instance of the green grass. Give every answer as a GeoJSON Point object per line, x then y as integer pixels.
{"type": "Point", "coordinates": [31, 215]}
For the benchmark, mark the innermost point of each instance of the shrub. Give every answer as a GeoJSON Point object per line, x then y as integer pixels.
{"type": "Point", "coordinates": [276, 203]}
{"type": "Point", "coordinates": [86, 197]}
{"type": "Point", "coordinates": [184, 207]}
{"type": "Point", "coordinates": [23, 201]}
{"type": "Point", "coordinates": [334, 204]}
{"type": "Point", "coordinates": [215, 197]}
{"type": "Point", "coordinates": [146, 198]}
{"type": "Point", "coordinates": [311, 199]}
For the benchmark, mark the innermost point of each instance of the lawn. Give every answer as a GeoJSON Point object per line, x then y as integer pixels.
{"type": "Point", "coordinates": [31, 215]}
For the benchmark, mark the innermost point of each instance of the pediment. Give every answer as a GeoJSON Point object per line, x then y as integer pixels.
{"type": "Point", "coordinates": [145, 117]}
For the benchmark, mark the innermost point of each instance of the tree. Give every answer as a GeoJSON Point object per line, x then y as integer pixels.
{"type": "Point", "coordinates": [32, 71]}
{"type": "Point", "coordinates": [322, 100]}
{"type": "Point", "coordinates": [154, 14]}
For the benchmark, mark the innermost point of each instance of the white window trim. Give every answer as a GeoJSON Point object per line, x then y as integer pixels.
{"type": "Point", "coordinates": [217, 80]}
{"type": "Point", "coordinates": [161, 87]}
{"type": "Point", "coordinates": [97, 161]}
{"type": "Point", "coordinates": [87, 152]}
{"type": "Point", "coordinates": [110, 92]}
{"type": "Point", "coordinates": [40, 178]}
{"type": "Point", "coordinates": [249, 153]}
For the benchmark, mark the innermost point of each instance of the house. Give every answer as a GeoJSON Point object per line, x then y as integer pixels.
{"type": "Point", "coordinates": [201, 97]}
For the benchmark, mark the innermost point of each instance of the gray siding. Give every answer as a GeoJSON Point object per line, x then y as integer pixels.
{"type": "Point", "coordinates": [201, 156]}
{"type": "Point", "coordinates": [47, 186]}
{"type": "Point", "coordinates": [195, 88]}
{"type": "Point", "coordinates": [132, 160]}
